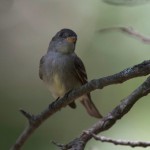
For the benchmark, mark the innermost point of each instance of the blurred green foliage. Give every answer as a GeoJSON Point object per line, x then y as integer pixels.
{"type": "Point", "coordinates": [26, 27]}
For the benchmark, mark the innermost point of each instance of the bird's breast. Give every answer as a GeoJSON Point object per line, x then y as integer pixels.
{"type": "Point", "coordinates": [60, 75]}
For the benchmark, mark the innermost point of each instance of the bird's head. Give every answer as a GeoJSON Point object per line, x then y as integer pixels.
{"type": "Point", "coordinates": [64, 41]}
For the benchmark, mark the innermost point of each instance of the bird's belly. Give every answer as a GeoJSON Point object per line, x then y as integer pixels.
{"type": "Point", "coordinates": [57, 87]}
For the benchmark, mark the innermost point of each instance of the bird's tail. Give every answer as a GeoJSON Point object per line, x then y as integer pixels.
{"type": "Point", "coordinates": [90, 107]}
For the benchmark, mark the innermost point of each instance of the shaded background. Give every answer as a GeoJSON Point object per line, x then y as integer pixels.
{"type": "Point", "coordinates": [26, 27]}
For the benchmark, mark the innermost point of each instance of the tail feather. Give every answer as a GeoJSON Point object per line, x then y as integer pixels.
{"type": "Point", "coordinates": [90, 107]}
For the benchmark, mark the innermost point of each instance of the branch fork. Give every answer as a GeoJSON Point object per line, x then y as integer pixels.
{"type": "Point", "coordinates": [106, 122]}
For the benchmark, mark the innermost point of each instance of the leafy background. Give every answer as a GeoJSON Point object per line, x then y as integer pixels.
{"type": "Point", "coordinates": [26, 27]}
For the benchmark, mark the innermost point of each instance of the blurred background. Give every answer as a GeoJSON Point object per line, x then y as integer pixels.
{"type": "Point", "coordinates": [26, 27]}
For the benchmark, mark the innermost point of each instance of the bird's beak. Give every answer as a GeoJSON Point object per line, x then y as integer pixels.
{"type": "Point", "coordinates": [71, 39]}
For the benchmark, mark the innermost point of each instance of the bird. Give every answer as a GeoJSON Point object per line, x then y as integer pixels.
{"type": "Point", "coordinates": [62, 70]}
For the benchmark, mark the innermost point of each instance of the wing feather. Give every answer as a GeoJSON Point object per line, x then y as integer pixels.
{"type": "Point", "coordinates": [80, 71]}
{"type": "Point", "coordinates": [42, 60]}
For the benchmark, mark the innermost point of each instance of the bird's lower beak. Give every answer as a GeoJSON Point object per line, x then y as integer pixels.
{"type": "Point", "coordinates": [71, 39]}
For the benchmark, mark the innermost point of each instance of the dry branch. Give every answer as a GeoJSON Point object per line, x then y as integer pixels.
{"type": "Point", "coordinates": [126, 2]}
{"type": "Point", "coordinates": [121, 142]}
{"type": "Point", "coordinates": [110, 119]}
{"type": "Point", "coordinates": [129, 31]}
{"type": "Point", "coordinates": [35, 121]}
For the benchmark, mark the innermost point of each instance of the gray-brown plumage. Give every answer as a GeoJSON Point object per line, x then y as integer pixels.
{"type": "Point", "coordinates": [62, 70]}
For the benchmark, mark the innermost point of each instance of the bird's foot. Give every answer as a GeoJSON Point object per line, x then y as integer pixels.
{"type": "Point", "coordinates": [67, 93]}
{"type": "Point", "coordinates": [53, 103]}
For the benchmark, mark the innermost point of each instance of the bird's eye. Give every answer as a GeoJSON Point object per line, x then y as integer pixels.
{"type": "Point", "coordinates": [60, 35]}
{"type": "Point", "coordinates": [63, 35]}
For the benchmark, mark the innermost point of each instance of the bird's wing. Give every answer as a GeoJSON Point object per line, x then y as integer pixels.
{"type": "Point", "coordinates": [80, 71]}
{"type": "Point", "coordinates": [40, 68]}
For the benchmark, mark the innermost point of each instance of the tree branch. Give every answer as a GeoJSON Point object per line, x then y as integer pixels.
{"type": "Point", "coordinates": [128, 30]}
{"type": "Point", "coordinates": [35, 121]}
{"type": "Point", "coordinates": [109, 120]}
{"type": "Point", "coordinates": [121, 142]}
{"type": "Point", "coordinates": [126, 2]}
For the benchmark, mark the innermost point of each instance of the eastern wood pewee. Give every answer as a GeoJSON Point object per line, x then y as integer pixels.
{"type": "Point", "coordinates": [62, 70]}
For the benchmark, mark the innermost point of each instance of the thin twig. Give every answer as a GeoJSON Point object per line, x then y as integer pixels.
{"type": "Point", "coordinates": [141, 69]}
{"type": "Point", "coordinates": [126, 2]}
{"type": "Point", "coordinates": [121, 142]}
{"type": "Point", "coordinates": [128, 30]}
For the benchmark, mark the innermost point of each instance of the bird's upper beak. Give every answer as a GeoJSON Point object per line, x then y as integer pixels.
{"type": "Point", "coordinates": [71, 39]}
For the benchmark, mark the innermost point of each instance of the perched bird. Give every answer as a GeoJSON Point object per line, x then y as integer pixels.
{"type": "Point", "coordinates": [62, 70]}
